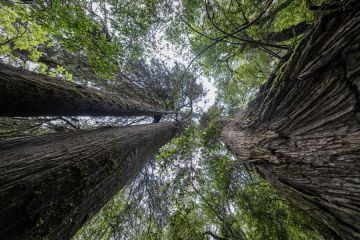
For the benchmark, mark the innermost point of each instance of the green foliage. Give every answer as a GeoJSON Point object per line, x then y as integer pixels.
{"type": "Point", "coordinates": [185, 224]}
{"type": "Point", "coordinates": [275, 219]}
{"type": "Point", "coordinates": [247, 204]}
{"type": "Point", "coordinates": [75, 31]}
{"type": "Point", "coordinates": [88, 38]}
{"type": "Point", "coordinates": [194, 187]}
{"type": "Point", "coordinates": [184, 145]}
{"type": "Point", "coordinates": [21, 32]}
{"type": "Point", "coordinates": [199, 189]}
{"type": "Point", "coordinates": [239, 60]}
{"type": "Point", "coordinates": [211, 124]}
{"type": "Point", "coordinates": [18, 35]}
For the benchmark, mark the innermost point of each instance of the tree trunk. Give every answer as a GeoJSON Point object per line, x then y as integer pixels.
{"type": "Point", "coordinates": [51, 185]}
{"type": "Point", "coordinates": [25, 93]}
{"type": "Point", "coordinates": [302, 132]}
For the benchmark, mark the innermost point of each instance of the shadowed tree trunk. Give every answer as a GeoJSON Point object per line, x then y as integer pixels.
{"type": "Point", "coordinates": [25, 93]}
{"type": "Point", "coordinates": [302, 132]}
{"type": "Point", "coordinates": [51, 185]}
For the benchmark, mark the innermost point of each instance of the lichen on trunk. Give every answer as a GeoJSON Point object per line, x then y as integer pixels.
{"type": "Point", "coordinates": [302, 132]}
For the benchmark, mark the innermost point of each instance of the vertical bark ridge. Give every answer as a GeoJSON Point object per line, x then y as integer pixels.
{"type": "Point", "coordinates": [302, 133]}
{"type": "Point", "coordinates": [25, 93]}
{"type": "Point", "coordinates": [51, 185]}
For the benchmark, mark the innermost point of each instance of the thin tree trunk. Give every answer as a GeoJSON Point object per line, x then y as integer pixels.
{"type": "Point", "coordinates": [25, 93]}
{"type": "Point", "coordinates": [51, 185]}
{"type": "Point", "coordinates": [302, 132]}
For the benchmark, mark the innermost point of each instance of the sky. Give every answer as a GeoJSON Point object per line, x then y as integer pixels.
{"type": "Point", "coordinates": [167, 52]}
{"type": "Point", "coordinates": [210, 92]}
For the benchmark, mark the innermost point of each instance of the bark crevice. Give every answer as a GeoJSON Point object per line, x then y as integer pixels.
{"type": "Point", "coordinates": [302, 132]}
{"type": "Point", "coordinates": [25, 93]}
{"type": "Point", "coordinates": [51, 185]}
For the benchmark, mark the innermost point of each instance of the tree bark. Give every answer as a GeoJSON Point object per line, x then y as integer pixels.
{"type": "Point", "coordinates": [51, 185]}
{"type": "Point", "coordinates": [288, 33]}
{"type": "Point", "coordinates": [25, 93]}
{"type": "Point", "coordinates": [302, 132]}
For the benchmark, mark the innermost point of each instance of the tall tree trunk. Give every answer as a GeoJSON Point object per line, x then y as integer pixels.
{"type": "Point", "coordinates": [302, 132]}
{"type": "Point", "coordinates": [51, 185]}
{"type": "Point", "coordinates": [25, 93]}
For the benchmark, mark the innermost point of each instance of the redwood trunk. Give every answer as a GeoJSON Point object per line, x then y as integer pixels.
{"type": "Point", "coordinates": [302, 132]}
{"type": "Point", "coordinates": [51, 185]}
{"type": "Point", "coordinates": [25, 93]}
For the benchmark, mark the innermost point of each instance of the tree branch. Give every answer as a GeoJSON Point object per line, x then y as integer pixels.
{"type": "Point", "coordinates": [288, 33]}
{"type": "Point", "coordinates": [213, 235]}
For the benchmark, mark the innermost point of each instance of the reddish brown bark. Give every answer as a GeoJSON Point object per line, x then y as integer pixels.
{"type": "Point", "coordinates": [302, 132]}
{"type": "Point", "coordinates": [25, 93]}
{"type": "Point", "coordinates": [51, 185]}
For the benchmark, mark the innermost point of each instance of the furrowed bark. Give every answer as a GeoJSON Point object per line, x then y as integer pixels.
{"type": "Point", "coordinates": [51, 185]}
{"type": "Point", "coordinates": [25, 93]}
{"type": "Point", "coordinates": [302, 132]}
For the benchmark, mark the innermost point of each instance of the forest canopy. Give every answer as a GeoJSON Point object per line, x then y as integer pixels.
{"type": "Point", "coordinates": [123, 76]}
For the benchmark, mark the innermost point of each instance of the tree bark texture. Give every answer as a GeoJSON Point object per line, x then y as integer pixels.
{"type": "Point", "coordinates": [25, 93]}
{"type": "Point", "coordinates": [302, 131]}
{"type": "Point", "coordinates": [51, 185]}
